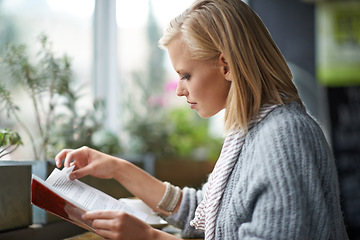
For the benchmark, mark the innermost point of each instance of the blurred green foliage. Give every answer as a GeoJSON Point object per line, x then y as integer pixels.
{"type": "Point", "coordinates": [190, 135]}
{"type": "Point", "coordinates": [49, 83]}
{"type": "Point", "coordinates": [174, 133]}
{"type": "Point", "coordinates": [9, 141]}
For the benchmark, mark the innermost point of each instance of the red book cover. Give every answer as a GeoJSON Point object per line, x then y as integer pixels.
{"type": "Point", "coordinates": [52, 201]}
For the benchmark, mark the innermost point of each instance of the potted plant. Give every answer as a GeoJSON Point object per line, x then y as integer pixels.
{"type": "Point", "coordinates": [14, 203]}
{"type": "Point", "coordinates": [15, 190]}
{"type": "Point", "coordinates": [50, 86]}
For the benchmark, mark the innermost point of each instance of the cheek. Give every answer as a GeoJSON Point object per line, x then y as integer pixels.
{"type": "Point", "coordinates": [208, 85]}
{"type": "Point", "coordinates": [198, 90]}
{"type": "Point", "coordinates": [219, 92]}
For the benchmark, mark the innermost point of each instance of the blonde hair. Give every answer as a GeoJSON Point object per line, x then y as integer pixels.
{"type": "Point", "coordinates": [260, 74]}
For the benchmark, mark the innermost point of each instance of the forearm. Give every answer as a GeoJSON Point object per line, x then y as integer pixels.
{"type": "Point", "coordinates": [141, 184]}
{"type": "Point", "coordinates": [161, 235]}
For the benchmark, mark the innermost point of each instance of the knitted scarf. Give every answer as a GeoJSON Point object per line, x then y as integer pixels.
{"type": "Point", "coordinates": [206, 212]}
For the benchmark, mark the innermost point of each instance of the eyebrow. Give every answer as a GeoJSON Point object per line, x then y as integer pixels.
{"type": "Point", "coordinates": [182, 73]}
{"type": "Point", "coordinates": [181, 70]}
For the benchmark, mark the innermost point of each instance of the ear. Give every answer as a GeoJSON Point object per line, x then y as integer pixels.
{"type": "Point", "coordinates": [225, 67]}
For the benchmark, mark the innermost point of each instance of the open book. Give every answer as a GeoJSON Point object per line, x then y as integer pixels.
{"type": "Point", "coordinates": [70, 199]}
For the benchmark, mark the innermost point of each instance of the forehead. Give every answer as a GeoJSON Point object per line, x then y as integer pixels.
{"type": "Point", "coordinates": [179, 54]}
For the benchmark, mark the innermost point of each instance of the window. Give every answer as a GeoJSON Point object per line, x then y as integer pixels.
{"type": "Point", "coordinates": [68, 26]}
{"type": "Point", "coordinates": [112, 45]}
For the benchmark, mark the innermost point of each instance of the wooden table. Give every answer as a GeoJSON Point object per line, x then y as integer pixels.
{"type": "Point", "coordinates": [93, 236]}
{"type": "Point", "coordinates": [86, 236]}
{"type": "Point", "coordinates": [164, 227]}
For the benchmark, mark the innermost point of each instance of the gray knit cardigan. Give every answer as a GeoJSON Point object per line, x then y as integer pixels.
{"type": "Point", "coordinates": [284, 185]}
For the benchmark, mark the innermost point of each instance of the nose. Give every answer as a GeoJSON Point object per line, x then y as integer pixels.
{"type": "Point", "coordinates": [181, 89]}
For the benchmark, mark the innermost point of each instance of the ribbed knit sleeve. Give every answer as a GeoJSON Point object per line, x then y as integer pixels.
{"type": "Point", "coordinates": [190, 200]}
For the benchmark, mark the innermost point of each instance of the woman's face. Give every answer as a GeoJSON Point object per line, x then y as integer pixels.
{"type": "Point", "coordinates": [202, 83]}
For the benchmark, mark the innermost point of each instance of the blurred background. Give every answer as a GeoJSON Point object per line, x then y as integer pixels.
{"type": "Point", "coordinates": [89, 72]}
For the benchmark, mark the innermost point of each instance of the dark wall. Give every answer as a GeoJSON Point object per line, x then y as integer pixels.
{"type": "Point", "coordinates": [291, 24]}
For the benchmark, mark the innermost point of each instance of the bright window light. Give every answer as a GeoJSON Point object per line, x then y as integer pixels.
{"type": "Point", "coordinates": [80, 8]}
{"type": "Point", "coordinates": [134, 14]}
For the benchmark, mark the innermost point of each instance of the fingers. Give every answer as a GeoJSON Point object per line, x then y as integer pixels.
{"type": "Point", "coordinates": [106, 219]}
{"type": "Point", "coordinates": [60, 156]}
{"type": "Point", "coordinates": [118, 225]}
{"type": "Point", "coordinates": [79, 173]}
{"type": "Point", "coordinates": [69, 155]}
{"type": "Point", "coordinates": [109, 224]}
{"type": "Point", "coordinates": [108, 235]}
{"type": "Point", "coordinates": [91, 215]}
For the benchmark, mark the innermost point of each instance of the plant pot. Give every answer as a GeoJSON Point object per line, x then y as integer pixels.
{"type": "Point", "coordinates": [15, 206]}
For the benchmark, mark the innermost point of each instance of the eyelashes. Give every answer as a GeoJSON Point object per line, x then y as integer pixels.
{"type": "Point", "coordinates": [185, 77]}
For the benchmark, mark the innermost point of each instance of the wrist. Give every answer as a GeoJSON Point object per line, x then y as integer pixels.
{"type": "Point", "coordinates": [119, 169]}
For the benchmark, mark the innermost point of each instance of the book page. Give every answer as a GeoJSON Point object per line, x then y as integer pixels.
{"type": "Point", "coordinates": [88, 197]}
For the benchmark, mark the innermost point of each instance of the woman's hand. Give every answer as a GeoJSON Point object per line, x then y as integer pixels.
{"type": "Point", "coordinates": [88, 161]}
{"type": "Point", "coordinates": [139, 183]}
{"type": "Point", "coordinates": [118, 225]}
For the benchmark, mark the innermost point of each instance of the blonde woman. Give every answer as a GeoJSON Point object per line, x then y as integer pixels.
{"type": "Point", "coordinates": [275, 177]}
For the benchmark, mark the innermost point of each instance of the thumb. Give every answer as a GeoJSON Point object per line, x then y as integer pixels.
{"type": "Point", "coordinates": [79, 173]}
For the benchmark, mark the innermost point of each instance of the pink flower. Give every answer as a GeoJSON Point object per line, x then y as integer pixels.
{"type": "Point", "coordinates": [171, 86]}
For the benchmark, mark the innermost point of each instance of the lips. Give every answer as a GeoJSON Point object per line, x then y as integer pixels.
{"type": "Point", "coordinates": [192, 104]}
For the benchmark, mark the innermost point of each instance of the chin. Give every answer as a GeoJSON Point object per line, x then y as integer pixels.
{"type": "Point", "coordinates": [201, 115]}
{"type": "Point", "coordinates": [204, 115]}
{"type": "Point", "coordinates": [208, 114]}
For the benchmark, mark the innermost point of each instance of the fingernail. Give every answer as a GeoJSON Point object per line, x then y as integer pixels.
{"type": "Point", "coordinates": [72, 176]}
